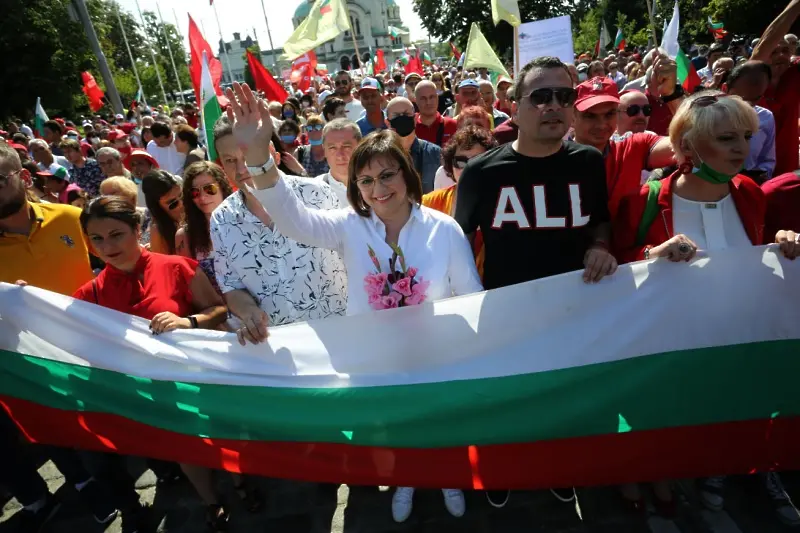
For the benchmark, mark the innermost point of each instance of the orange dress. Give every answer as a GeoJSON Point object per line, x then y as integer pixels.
{"type": "Point", "coordinates": [443, 200]}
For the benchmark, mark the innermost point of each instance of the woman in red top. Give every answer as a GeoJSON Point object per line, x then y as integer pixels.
{"type": "Point", "coordinates": [170, 291]}
{"type": "Point", "coordinates": [705, 205]}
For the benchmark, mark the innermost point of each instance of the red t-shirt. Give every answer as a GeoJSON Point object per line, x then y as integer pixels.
{"type": "Point", "coordinates": [506, 110]}
{"type": "Point", "coordinates": [783, 198]}
{"type": "Point", "coordinates": [783, 101]}
{"type": "Point", "coordinates": [159, 283]}
{"type": "Point", "coordinates": [660, 117]}
{"type": "Point", "coordinates": [625, 161]}
{"type": "Point", "coordinates": [430, 133]}
{"type": "Point", "coordinates": [507, 132]}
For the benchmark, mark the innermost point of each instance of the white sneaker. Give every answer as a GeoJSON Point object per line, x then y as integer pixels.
{"type": "Point", "coordinates": [454, 501]}
{"type": "Point", "coordinates": [402, 502]}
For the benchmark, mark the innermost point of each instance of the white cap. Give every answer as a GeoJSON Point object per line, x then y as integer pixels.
{"type": "Point", "coordinates": [322, 96]}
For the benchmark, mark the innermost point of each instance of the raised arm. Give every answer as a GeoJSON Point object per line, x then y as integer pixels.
{"type": "Point", "coordinates": [252, 128]}
{"type": "Point", "coordinates": [775, 32]}
{"type": "Point", "coordinates": [661, 155]}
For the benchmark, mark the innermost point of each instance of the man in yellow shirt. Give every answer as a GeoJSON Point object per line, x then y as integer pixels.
{"type": "Point", "coordinates": [41, 244]}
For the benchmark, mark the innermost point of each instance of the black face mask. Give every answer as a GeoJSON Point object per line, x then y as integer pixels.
{"type": "Point", "coordinates": [403, 125]}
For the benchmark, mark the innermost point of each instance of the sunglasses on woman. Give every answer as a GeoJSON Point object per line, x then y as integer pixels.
{"type": "Point", "coordinates": [173, 204]}
{"type": "Point", "coordinates": [211, 189]}
{"type": "Point", "coordinates": [315, 127]}
{"type": "Point", "coordinates": [633, 110]}
{"type": "Point", "coordinates": [565, 96]}
{"type": "Point", "coordinates": [705, 101]}
{"type": "Point", "coordinates": [460, 162]}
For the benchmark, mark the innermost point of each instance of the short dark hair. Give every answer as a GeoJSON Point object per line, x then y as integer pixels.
{"type": "Point", "coordinates": [343, 73]}
{"type": "Point", "coordinates": [20, 138]}
{"type": "Point", "coordinates": [331, 106]}
{"type": "Point", "coordinates": [114, 207]}
{"type": "Point", "coordinates": [466, 138]}
{"type": "Point", "coordinates": [749, 68]}
{"type": "Point", "coordinates": [222, 128]}
{"type": "Point", "coordinates": [290, 125]}
{"type": "Point", "coordinates": [381, 144]}
{"type": "Point", "coordinates": [160, 129]}
{"type": "Point", "coordinates": [543, 62]}
{"type": "Point", "coordinates": [53, 125]}
{"type": "Point", "coordinates": [187, 134]}
{"type": "Point", "coordinates": [716, 47]}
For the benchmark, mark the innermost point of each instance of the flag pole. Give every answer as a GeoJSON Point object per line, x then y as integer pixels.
{"type": "Point", "coordinates": [224, 48]}
{"type": "Point", "coordinates": [169, 49]}
{"type": "Point", "coordinates": [269, 35]}
{"type": "Point", "coordinates": [355, 45]}
{"type": "Point", "coordinates": [152, 54]}
{"type": "Point", "coordinates": [652, 21]}
{"type": "Point", "coordinates": [517, 66]}
{"type": "Point", "coordinates": [130, 54]}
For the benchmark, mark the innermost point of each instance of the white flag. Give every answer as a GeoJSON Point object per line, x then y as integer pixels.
{"type": "Point", "coordinates": [670, 40]}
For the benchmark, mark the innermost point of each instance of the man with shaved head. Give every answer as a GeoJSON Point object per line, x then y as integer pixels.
{"type": "Point", "coordinates": [430, 125]}
{"type": "Point", "coordinates": [425, 156]}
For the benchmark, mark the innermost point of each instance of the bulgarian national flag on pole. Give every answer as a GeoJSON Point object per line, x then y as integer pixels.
{"type": "Point", "coordinates": [687, 75]}
{"type": "Point", "coordinates": [40, 117]}
{"type": "Point", "coordinates": [211, 110]}
{"type": "Point", "coordinates": [619, 40]}
{"type": "Point", "coordinates": [717, 29]}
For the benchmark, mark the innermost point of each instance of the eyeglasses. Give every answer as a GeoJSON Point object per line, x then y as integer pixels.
{"type": "Point", "coordinates": [210, 189]}
{"type": "Point", "coordinates": [173, 204]}
{"type": "Point", "coordinates": [315, 127]}
{"type": "Point", "coordinates": [386, 179]}
{"type": "Point", "coordinates": [460, 161]}
{"type": "Point", "coordinates": [4, 179]}
{"type": "Point", "coordinates": [633, 110]}
{"type": "Point", "coordinates": [340, 83]}
{"type": "Point", "coordinates": [565, 96]}
{"type": "Point", "coordinates": [705, 101]}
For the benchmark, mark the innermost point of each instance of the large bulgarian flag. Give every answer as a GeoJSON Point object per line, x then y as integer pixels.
{"type": "Point", "coordinates": [211, 110]}
{"type": "Point", "coordinates": [663, 370]}
{"type": "Point", "coordinates": [39, 118]}
{"type": "Point", "coordinates": [687, 74]}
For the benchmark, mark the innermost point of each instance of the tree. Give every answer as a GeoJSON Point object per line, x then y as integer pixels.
{"type": "Point", "coordinates": [155, 35]}
{"type": "Point", "coordinates": [451, 19]}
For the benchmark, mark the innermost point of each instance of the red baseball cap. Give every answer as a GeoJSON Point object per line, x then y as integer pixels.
{"type": "Point", "coordinates": [113, 135]}
{"type": "Point", "coordinates": [596, 91]}
{"type": "Point", "coordinates": [140, 153]}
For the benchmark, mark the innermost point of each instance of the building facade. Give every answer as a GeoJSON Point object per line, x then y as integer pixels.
{"type": "Point", "coordinates": [370, 21]}
{"type": "Point", "coordinates": [236, 50]}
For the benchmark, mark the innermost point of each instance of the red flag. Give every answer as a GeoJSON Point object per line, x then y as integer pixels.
{"type": "Point", "coordinates": [303, 68]}
{"type": "Point", "coordinates": [92, 91]}
{"type": "Point", "coordinates": [264, 80]}
{"type": "Point", "coordinates": [380, 61]}
{"type": "Point", "coordinates": [198, 45]}
{"type": "Point", "coordinates": [455, 50]}
{"type": "Point", "coordinates": [309, 58]}
{"type": "Point", "coordinates": [414, 65]}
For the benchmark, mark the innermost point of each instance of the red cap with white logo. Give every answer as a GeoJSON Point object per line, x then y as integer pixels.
{"type": "Point", "coordinates": [596, 91]}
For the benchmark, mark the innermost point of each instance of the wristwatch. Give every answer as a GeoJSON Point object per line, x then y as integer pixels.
{"type": "Point", "coordinates": [263, 169]}
{"type": "Point", "coordinates": [646, 252]}
{"type": "Point", "coordinates": [193, 321]}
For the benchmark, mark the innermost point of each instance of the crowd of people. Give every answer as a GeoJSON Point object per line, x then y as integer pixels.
{"type": "Point", "coordinates": [465, 183]}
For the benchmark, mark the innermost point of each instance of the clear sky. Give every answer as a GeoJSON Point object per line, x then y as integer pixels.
{"type": "Point", "coordinates": [244, 15]}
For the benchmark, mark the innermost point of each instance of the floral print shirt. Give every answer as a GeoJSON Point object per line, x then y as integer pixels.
{"type": "Point", "coordinates": [291, 282]}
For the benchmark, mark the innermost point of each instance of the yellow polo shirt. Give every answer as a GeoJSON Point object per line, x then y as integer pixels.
{"type": "Point", "coordinates": [54, 256]}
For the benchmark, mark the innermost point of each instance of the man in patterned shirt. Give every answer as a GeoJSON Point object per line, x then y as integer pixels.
{"type": "Point", "coordinates": [85, 173]}
{"type": "Point", "coordinates": [265, 277]}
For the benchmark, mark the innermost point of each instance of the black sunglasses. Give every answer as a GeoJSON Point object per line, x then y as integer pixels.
{"type": "Point", "coordinates": [173, 204]}
{"type": "Point", "coordinates": [341, 82]}
{"type": "Point", "coordinates": [565, 96]}
{"type": "Point", "coordinates": [705, 101]}
{"type": "Point", "coordinates": [633, 110]}
{"type": "Point", "coordinates": [460, 162]}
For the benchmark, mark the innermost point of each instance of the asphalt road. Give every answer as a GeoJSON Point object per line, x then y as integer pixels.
{"type": "Point", "coordinates": [307, 508]}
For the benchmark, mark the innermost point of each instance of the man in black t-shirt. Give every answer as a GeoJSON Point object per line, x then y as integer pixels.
{"type": "Point", "coordinates": [540, 202]}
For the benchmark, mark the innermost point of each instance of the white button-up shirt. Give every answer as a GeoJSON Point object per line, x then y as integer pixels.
{"type": "Point", "coordinates": [291, 282]}
{"type": "Point", "coordinates": [431, 241]}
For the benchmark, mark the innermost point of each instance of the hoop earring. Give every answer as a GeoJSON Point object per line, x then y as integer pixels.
{"type": "Point", "coordinates": [686, 167]}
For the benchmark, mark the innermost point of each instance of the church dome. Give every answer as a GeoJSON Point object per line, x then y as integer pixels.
{"type": "Point", "coordinates": [391, 3]}
{"type": "Point", "coordinates": [303, 9]}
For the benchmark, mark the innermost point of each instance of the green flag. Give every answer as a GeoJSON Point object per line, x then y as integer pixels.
{"type": "Point", "coordinates": [210, 110]}
{"type": "Point", "coordinates": [327, 19]}
{"type": "Point", "coordinates": [480, 53]}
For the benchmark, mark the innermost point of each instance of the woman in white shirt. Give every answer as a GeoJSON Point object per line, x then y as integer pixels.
{"type": "Point", "coordinates": [706, 204]}
{"type": "Point", "coordinates": [385, 216]}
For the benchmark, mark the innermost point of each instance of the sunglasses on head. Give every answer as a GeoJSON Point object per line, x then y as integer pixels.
{"type": "Point", "coordinates": [705, 101]}
{"type": "Point", "coordinates": [210, 189]}
{"type": "Point", "coordinates": [339, 83]}
{"type": "Point", "coordinates": [173, 204]}
{"type": "Point", "coordinates": [460, 162]}
{"type": "Point", "coordinates": [315, 127]}
{"type": "Point", "coordinates": [633, 110]}
{"type": "Point", "coordinates": [565, 96]}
